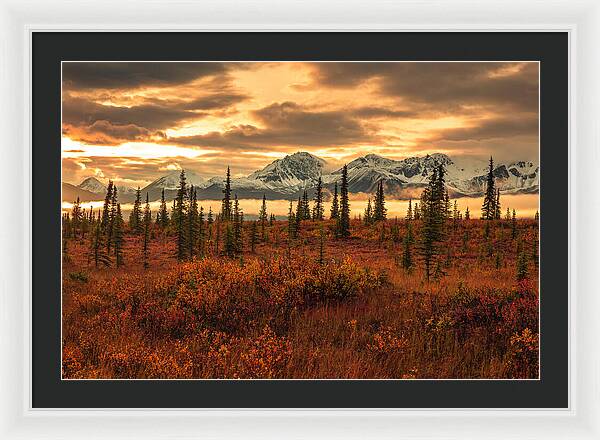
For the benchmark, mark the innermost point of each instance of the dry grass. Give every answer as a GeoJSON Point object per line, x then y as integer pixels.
{"type": "Point", "coordinates": [280, 314]}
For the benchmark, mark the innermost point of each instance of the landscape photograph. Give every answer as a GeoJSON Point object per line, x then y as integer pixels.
{"type": "Point", "coordinates": [300, 220]}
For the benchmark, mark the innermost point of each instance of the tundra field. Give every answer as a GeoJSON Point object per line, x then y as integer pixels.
{"type": "Point", "coordinates": [315, 306]}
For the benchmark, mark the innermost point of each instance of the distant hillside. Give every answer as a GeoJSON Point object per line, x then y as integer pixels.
{"type": "Point", "coordinates": [71, 192]}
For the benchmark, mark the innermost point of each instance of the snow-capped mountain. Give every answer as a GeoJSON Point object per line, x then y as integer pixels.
{"type": "Point", "coordinates": [95, 186]}
{"type": "Point", "coordinates": [288, 177]}
{"type": "Point", "coordinates": [465, 176]}
{"type": "Point", "coordinates": [297, 169]}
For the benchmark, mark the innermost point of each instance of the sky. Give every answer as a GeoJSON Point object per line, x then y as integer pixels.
{"type": "Point", "coordinates": [135, 122]}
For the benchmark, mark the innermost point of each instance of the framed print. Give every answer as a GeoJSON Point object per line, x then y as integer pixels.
{"type": "Point", "coordinates": [312, 222]}
{"type": "Point", "coordinates": [290, 224]}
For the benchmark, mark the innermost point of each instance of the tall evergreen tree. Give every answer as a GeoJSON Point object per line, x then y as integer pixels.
{"type": "Point", "coordinates": [368, 215]}
{"type": "Point", "coordinates": [135, 217]}
{"type": "Point", "coordinates": [379, 209]}
{"type": "Point", "coordinates": [106, 209]}
{"type": "Point", "coordinates": [76, 215]}
{"type": "Point", "coordinates": [262, 217]}
{"type": "Point", "coordinates": [409, 212]}
{"type": "Point", "coordinates": [192, 223]}
{"type": "Point", "coordinates": [335, 207]}
{"type": "Point", "coordinates": [226, 203]}
{"type": "Point", "coordinates": [417, 212]}
{"type": "Point", "coordinates": [147, 220]}
{"type": "Point", "coordinates": [179, 217]}
{"type": "Point", "coordinates": [291, 223]}
{"type": "Point", "coordinates": [201, 233]}
{"type": "Point", "coordinates": [299, 214]}
{"type": "Point", "coordinates": [343, 229]}
{"type": "Point", "coordinates": [162, 219]}
{"type": "Point", "coordinates": [497, 212]}
{"type": "Point", "coordinates": [117, 236]}
{"type": "Point", "coordinates": [488, 210]}
{"type": "Point", "coordinates": [253, 236]}
{"type": "Point", "coordinates": [433, 214]}
{"type": "Point", "coordinates": [112, 213]}
{"type": "Point", "coordinates": [321, 259]}
{"type": "Point", "coordinates": [467, 214]}
{"type": "Point", "coordinates": [305, 206]}
{"type": "Point", "coordinates": [98, 248]}
{"type": "Point", "coordinates": [229, 242]}
{"type": "Point", "coordinates": [238, 217]}
{"type": "Point", "coordinates": [318, 209]}
{"type": "Point", "coordinates": [513, 225]}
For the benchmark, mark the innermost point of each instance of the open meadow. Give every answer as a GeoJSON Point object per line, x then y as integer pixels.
{"type": "Point", "coordinates": [315, 306]}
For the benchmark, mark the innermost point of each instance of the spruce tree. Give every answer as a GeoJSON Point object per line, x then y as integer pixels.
{"type": "Point", "coordinates": [229, 242]}
{"type": "Point", "coordinates": [271, 219]}
{"type": "Point", "coordinates": [305, 206]}
{"type": "Point", "coordinates": [179, 217]}
{"type": "Point", "coordinates": [318, 210]}
{"type": "Point", "coordinates": [522, 271]}
{"type": "Point", "coordinates": [343, 229]}
{"type": "Point", "coordinates": [497, 211]}
{"type": "Point", "coordinates": [488, 210]}
{"type": "Point", "coordinates": [201, 233]}
{"type": "Point", "coordinates": [112, 213]}
{"type": "Point", "coordinates": [135, 217]}
{"type": "Point", "coordinates": [537, 216]}
{"type": "Point", "coordinates": [192, 223]}
{"type": "Point", "coordinates": [335, 208]}
{"type": "Point", "coordinates": [467, 214]}
{"type": "Point", "coordinates": [379, 209]}
{"type": "Point", "coordinates": [106, 209]}
{"type": "Point", "coordinates": [507, 215]}
{"type": "Point", "coordinates": [210, 218]}
{"type": "Point", "coordinates": [262, 217]}
{"type": "Point", "coordinates": [368, 216]}
{"type": "Point", "coordinates": [433, 214]}
{"type": "Point", "coordinates": [237, 225]}
{"type": "Point", "coordinates": [253, 236]}
{"type": "Point", "coordinates": [117, 236]}
{"type": "Point", "coordinates": [147, 220]}
{"type": "Point", "coordinates": [76, 216]}
{"type": "Point", "coordinates": [321, 259]}
{"type": "Point", "coordinates": [417, 212]}
{"type": "Point", "coordinates": [409, 212]}
{"type": "Point", "coordinates": [98, 248]}
{"type": "Point", "coordinates": [513, 225]}
{"type": "Point", "coordinates": [291, 223]}
{"type": "Point", "coordinates": [226, 202]}
{"type": "Point", "coordinates": [162, 218]}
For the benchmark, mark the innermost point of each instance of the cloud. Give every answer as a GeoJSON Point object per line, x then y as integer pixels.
{"type": "Point", "coordinates": [121, 75]}
{"type": "Point", "coordinates": [103, 132]}
{"type": "Point", "coordinates": [214, 101]}
{"type": "Point", "coordinates": [454, 84]}
{"type": "Point", "coordinates": [503, 127]}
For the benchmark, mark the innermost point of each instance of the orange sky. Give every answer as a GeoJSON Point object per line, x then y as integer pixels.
{"type": "Point", "coordinates": [133, 122]}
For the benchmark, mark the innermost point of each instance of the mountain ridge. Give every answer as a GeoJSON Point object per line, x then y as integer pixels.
{"type": "Point", "coordinates": [288, 177]}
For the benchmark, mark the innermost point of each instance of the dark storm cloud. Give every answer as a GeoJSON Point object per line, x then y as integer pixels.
{"type": "Point", "coordinates": [286, 124]}
{"type": "Point", "coordinates": [79, 111]}
{"type": "Point", "coordinates": [441, 83]}
{"type": "Point", "coordinates": [118, 75]}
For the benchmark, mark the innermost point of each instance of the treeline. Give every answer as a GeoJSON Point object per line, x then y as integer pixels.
{"type": "Point", "coordinates": [198, 233]}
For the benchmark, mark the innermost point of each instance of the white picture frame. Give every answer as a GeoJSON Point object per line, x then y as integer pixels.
{"type": "Point", "coordinates": [18, 19]}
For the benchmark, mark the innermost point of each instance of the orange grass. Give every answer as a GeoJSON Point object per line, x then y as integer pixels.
{"type": "Point", "coordinates": [280, 314]}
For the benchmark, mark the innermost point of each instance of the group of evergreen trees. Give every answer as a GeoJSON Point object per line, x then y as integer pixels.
{"type": "Point", "coordinates": [196, 236]}
{"type": "Point", "coordinates": [377, 211]}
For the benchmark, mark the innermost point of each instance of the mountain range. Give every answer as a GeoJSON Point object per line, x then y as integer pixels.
{"type": "Point", "coordinates": [288, 177]}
